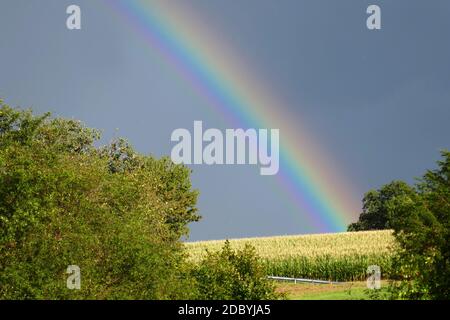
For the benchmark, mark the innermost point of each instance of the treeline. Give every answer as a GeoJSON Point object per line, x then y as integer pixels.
{"type": "Point", "coordinates": [117, 214]}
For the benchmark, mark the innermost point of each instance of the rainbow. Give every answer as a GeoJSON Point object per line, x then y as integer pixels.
{"type": "Point", "coordinates": [322, 197]}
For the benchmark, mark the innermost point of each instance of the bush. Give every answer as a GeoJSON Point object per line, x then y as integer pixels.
{"type": "Point", "coordinates": [229, 274]}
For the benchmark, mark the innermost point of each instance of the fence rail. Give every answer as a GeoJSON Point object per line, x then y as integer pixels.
{"type": "Point", "coordinates": [295, 280]}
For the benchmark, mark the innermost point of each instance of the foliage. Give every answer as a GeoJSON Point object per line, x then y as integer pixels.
{"type": "Point", "coordinates": [233, 274]}
{"type": "Point", "coordinates": [422, 228]}
{"type": "Point", "coordinates": [375, 215]}
{"type": "Point", "coordinates": [336, 257]}
{"type": "Point", "coordinates": [115, 213]}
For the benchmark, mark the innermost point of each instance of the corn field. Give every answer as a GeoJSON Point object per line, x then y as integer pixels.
{"type": "Point", "coordinates": [334, 257]}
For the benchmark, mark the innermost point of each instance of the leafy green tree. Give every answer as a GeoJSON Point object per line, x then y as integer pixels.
{"type": "Point", "coordinates": [113, 212]}
{"type": "Point", "coordinates": [421, 224]}
{"type": "Point", "coordinates": [229, 274]}
{"type": "Point", "coordinates": [171, 183]}
{"type": "Point", "coordinates": [376, 214]}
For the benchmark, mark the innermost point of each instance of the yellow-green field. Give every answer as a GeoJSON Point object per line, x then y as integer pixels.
{"type": "Point", "coordinates": [338, 257]}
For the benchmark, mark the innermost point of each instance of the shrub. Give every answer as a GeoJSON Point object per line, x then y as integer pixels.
{"type": "Point", "coordinates": [230, 274]}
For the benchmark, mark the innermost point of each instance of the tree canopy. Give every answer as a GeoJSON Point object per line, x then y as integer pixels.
{"type": "Point", "coordinates": [115, 213]}
{"type": "Point", "coordinates": [375, 214]}
{"type": "Point", "coordinates": [421, 224]}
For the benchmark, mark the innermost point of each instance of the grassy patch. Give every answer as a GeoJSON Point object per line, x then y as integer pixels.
{"type": "Point", "coordinates": [345, 291]}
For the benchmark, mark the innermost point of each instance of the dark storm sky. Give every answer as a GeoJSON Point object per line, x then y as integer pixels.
{"type": "Point", "coordinates": [378, 101]}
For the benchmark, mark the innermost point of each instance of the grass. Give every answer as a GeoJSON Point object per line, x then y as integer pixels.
{"type": "Point", "coordinates": [337, 257]}
{"type": "Point", "coordinates": [344, 291]}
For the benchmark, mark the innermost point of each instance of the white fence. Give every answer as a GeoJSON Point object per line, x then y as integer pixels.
{"type": "Point", "coordinates": [295, 280]}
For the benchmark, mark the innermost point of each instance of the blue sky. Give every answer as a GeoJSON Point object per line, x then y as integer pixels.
{"type": "Point", "coordinates": [378, 101]}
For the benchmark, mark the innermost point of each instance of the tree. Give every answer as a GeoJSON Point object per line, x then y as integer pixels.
{"type": "Point", "coordinates": [376, 215]}
{"type": "Point", "coordinates": [115, 213]}
{"type": "Point", "coordinates": [421, 224]}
